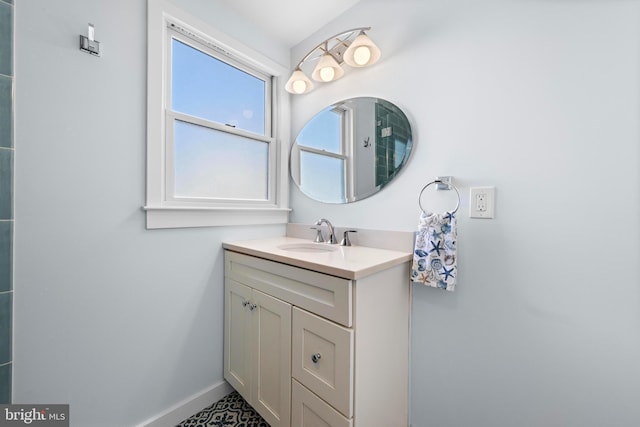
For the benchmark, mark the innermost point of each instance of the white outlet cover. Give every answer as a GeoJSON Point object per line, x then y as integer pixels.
{"type": "Point", "coordinates": [490, 193]}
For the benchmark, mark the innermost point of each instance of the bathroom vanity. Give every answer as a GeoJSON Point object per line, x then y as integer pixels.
{"type": "Point", "coordinates": [318, 334]}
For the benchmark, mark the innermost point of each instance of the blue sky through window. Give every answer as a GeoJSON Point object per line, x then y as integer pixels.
{"type": "Point", "coordinates": [323, 132]}
{"type": "Point", "coordinates": [205, 87]}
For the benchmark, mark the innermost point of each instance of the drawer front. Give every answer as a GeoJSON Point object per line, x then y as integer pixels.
{"type": "Point", "coordinates": [308, 410]}
{"type": "Point", "coordinates": [322, 359]}
{"type": "Point", "coordinates": [325, 295]}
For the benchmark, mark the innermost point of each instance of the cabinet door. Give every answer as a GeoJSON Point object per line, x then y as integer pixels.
{"type": "Point", "coordinates": [237, 332]}
{"type": "Point", "coordinates": [271, 394]}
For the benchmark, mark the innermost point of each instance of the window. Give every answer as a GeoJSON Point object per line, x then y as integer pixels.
{"type": "Point", "coordinates": [218, 114]}
{"type": "Point", "coordinates": [322, 150]}
{"type": "Point", "coordinates": [212, 142]}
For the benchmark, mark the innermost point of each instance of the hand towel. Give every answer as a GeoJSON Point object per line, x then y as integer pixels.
{"type": "Point", "coordinates": [434, 255]}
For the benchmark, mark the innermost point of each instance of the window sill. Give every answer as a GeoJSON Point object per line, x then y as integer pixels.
{"type": "Point", "coordinates": [186, 217]}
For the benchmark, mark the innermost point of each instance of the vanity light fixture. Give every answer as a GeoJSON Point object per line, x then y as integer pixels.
{"type": "Point", "coordinates": [353, 47]}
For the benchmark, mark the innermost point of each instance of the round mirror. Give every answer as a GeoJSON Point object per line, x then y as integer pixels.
{"type": "Point", "coordinates": [350, 150]}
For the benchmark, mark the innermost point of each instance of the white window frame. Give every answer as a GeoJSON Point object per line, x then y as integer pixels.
{"type": "Point", "coordinates": [344, 153]}
{"type": "Point", "coordinates": [171, 116]}
{"type": "Point", "coordinates": [164, 211]}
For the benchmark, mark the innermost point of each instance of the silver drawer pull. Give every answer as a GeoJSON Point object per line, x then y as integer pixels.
{"type": "Point", "coordinates": [245, 303]}
{"type": "Point", "coordinates": [316, 358]}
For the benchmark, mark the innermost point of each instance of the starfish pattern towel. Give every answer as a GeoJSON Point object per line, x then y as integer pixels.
{"type": "Point", "coordinates": [434, 256]}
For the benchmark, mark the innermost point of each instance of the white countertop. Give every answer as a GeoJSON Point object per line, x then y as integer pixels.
{"type": "Point", "coordinates": [349, 262]}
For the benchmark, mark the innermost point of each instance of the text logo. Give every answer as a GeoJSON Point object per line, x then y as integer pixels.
{"type": "Point", "coordinates": [34, 415]}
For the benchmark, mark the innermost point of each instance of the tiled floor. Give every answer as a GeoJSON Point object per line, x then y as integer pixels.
{"type": "Point", "coordinates": [230, 411]}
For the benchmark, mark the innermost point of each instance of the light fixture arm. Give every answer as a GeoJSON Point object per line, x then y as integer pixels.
{"type": "Point", "coordinates": [326, 43]}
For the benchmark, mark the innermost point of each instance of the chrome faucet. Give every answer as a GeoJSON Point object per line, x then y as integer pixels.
{"type": "Point", "coordinates": [332, 234]}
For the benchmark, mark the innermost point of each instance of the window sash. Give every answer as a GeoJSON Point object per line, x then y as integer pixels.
{"type": "Point", "coordinates": [345, 153]}
{"type": "Point", "coordinates": [177, 33]}
{"type": "Point", "coordinates": [318, 187]}
{"type": "Point", "coordinates": [328, 131]}
{"type": "Point", "coordinates": [170, 199]}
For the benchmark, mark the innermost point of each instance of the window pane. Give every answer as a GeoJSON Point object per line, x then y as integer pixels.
{"type": "Point", "coordinates": [215, 164]}
{"type": "Point", "coordinates": [205, 87]}
{"type": "Point", "coordinates": [331, 187]}
{"type": "Point", "coordinates": [324, 131]}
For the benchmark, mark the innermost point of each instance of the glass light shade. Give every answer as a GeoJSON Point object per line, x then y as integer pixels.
{"type": "Point", "coordinates": [361, 52]}
{"type": "Point", "coordinates": [327, 69]}
{"type": "Point", "coordinates": [298, 83]}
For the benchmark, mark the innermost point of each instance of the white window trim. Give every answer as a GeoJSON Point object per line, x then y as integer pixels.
{"type": "Point", "coordinates": [163, 213]}
{"type": "Point", "coordinates": [346, 151]}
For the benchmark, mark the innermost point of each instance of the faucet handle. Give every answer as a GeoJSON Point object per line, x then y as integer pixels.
{"type": "Point", "coordinates": [319, 238]}
{"type": "Point", "coordinates": [345, 240]}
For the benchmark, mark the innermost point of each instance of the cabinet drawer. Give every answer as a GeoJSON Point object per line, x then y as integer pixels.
{"type": "Point", "coordinates": [308, 410]}
{"type": "Point", "coordinates": [322, 359]}
{"type": "Point", "coordinates": [325, 295]}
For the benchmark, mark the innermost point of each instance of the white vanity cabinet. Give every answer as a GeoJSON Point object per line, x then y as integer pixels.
{"type": "Point", "coordinates": [308, 349]}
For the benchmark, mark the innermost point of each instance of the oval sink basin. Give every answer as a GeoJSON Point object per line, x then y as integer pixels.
{"type": "Point", "coordinates": [307, 247]}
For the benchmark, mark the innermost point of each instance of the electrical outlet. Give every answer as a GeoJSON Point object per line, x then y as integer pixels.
{"type": "Point", "coordinates": [482, 202]}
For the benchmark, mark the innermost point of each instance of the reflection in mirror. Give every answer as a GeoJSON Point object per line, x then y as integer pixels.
{"type": "Point", "coordinates": [350, 150]}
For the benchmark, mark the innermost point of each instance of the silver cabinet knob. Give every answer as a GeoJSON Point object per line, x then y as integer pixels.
{"type": "Point", "coordinates": [316, 357]}
{"type": "Point", "coordinates": [245, 303]}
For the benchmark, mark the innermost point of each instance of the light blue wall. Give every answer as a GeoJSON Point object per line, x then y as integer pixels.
{"type": "Point", "coordinates": [120, 322]}
{"type": "Point", "coordinates": [542, 100]}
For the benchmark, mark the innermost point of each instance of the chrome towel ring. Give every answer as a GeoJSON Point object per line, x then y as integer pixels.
{"type": "Point", "coordinates": [441, 184]}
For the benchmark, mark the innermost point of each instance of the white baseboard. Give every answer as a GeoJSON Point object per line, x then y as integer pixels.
{"type": "Point", "coordinates": [188, 407]}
